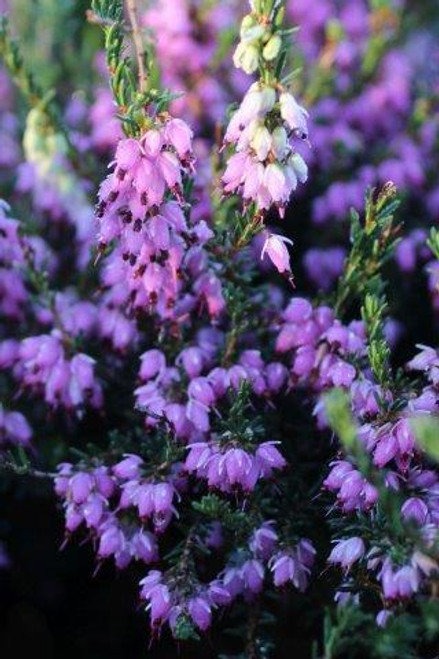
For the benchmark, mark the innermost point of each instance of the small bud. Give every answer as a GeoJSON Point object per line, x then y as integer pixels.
{"type": "Point", "coordinates": [300, 167]}
{"type": "Point", "coordinates": [261, 142]}
{"type": "Point", "coordinates": [279, 140]}
{"type": "Point", "coordinates": [272, 48]}
{"type": "Point", "coordinates": [246, 57]}
{"type": "Point", "coordinates": [251, 30]}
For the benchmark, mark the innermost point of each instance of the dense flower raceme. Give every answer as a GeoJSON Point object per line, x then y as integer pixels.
{"type": "Point", "coordinates": [43, 365]}
{"type": "Point", "coordinates": [157, 249]}
{"type": "Point", "coordinates": [166, 603]}
{"type": "Point", "coordinates": [393, 446]}
{"type": "Point", "coordinates": [265, 168]}
{"type": "Point", "coordinates": [321, 348]}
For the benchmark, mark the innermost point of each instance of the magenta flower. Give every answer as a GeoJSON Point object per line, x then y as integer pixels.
{"type": "Point", "coordinates": [274, 248]}
{"type": "Point", "coordinates": [200, 611]}
{"type": "Point", "coordinates": [347, 552]}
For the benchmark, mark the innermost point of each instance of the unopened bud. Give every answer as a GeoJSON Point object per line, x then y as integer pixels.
{"type": "Point", "coordinates": [279, 140]}
{"type": "Point", "coordinates": [261, 142]}
{"type": "Point", "coordinates": [300, 167]}
{"type": "Point", "coordinates": [272, 48]}
{"type": "Point", "coordinates": [251, 30]}
{"type": "Point", "coordinates": [246, 57]}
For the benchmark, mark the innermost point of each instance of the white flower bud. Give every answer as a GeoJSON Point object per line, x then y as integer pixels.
{"type": "Point", "coordinates": [251, 30]}
{"type": "Point", "coordinates": [294, 114]}
{"type": "Point", "coordinates": [272, 48]}
{"type": "Point", "coordinates": [268, 99]}
{"type": "Point", "coordinates": [261, 142]}
{"type": "Point", "coordinates": [246, 57]}
{"type": "Point", "coordinates": [257, 102]}
{"type": "Point", "coordinates": [300, 167]}
{"type": "Point", "coordinates": [247, 22]}
{"type": "Point", "coordinates": [247, 135]}
{"type": "Point", "coordinates": [279, 141]}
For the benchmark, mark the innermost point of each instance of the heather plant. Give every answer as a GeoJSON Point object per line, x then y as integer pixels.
{"type": "Point", "coordinates": [233, 410]}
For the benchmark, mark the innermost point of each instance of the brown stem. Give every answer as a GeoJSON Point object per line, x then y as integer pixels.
{"type": "Point", "coordinates": [138, 43]}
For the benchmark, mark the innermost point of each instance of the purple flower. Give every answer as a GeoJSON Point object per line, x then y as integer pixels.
{"type": "Point", "coordinates": [288, 566]}
{"type": "Point", "coordinates": [252, 573]}
{"type": "Point", "coordinates": [270, 457]}
{"type": "Point", "coordinates": [128, 468]}
{"type": "Point", "coordinates": [153, 362]}
{"type": "Point", "coordinates": [200, 612]}
{"type": "Point", "coordinates": [264, 541]}
{"type": "Point", "coordinates": [415, 509]}
{"type": "Point", "coordinates": [274, 248]}
{"type": "Point", "coordinates": [112, 541]}
{"type": "Point", "coordinates": [347, 552]}
{"type": "Point", "coordinates": [81, 485]}
{"type": "Point", "coordinates": [159, 604]}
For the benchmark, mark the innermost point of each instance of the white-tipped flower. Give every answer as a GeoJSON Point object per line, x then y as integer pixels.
{"type": "Point", "coordinates": [263, 168]}
{"type": "Point", "coordinates": [246, 57]}
{"type": "Point", "coordinates": [294, 114]}
{"type": "Point", "coordinates": [276, 250]}
{"type": "Point", "coordinates": [261, 142]}
{"type": "Point", "coordinates": [258, 101]}
{"type": "Point", "coordinates": [279, 142]}
{"type": "Point", "coordinates": [300, 167]}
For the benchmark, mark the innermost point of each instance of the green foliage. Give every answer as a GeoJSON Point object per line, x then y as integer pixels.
{"type": "Point", "coordinates": [10, 53]}
{"type": "Point", "coordinates": [42, 102]}
{"type": "Point", "coordinates": [372, 244]}
{"type": "Point", "coordinates": [215, 508]}
{"type": "Point", "coordinates": [130, 95]}
{"type": "Point", "coordinates": [339, 627]}
{"type": "Point", "coordinates": [239, 423]}
{"type": "Point", "coordinates": [433, 241]}
{"type": "Point", "coordinates": [43, 26]}
{"type": "Point", "coordinates": [123, 83]}
{"type": "Point", "coordinates": [341, 420]}
{"type": "Point", "coordinates": [373, 313]}
{"type": "Point", "coordinates": [184, 629]}
{"type": "Point", "coordinates": [25, 81]}
{"type": "Point", "coordinates": [351, 632]}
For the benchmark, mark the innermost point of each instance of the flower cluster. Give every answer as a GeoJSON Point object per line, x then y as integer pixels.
{"type": "Point", "coordinates": [165, 601]}
{"type": "Point", "coordinates": [41, 364]}
{"type": "Point", "coordinates": [321, 347]}
{"type": "Point", "coordinates": [188, 406]}
{"type": "Point", "coordinates": [140, 210]}
{"type": "Point", "coordinates": [265, 168]}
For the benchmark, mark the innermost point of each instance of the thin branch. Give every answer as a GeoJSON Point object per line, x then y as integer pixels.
{"type": "Point", "coordinates": [138, 43]}
{"type": "Point", "coordinates": [26, 470]}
